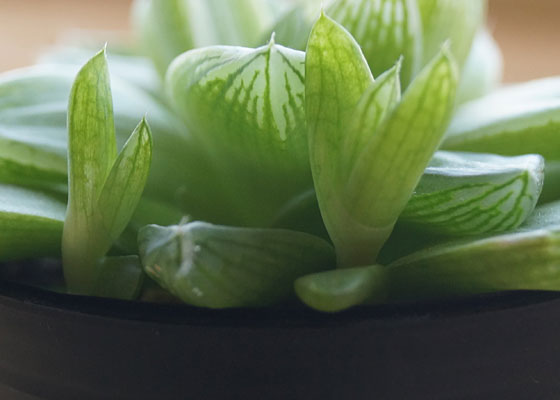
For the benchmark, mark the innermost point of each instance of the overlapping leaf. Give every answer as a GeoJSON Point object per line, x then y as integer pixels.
{"type": "Point", "coordinates": [359, 199]}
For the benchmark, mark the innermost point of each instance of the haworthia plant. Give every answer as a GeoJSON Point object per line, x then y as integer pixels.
{"type": "Point", "coordinates": [171, 27]}
{"type": "Point", "coordinates": [470, 194]}
{"type": "Point", "coordinates": [363, 137]}
{"type": "Point", "coordinates": [338, 141]}
{"type": "Point", "coordinates": [246, 106]}
{"type": "Point", "coordinates": [103, 187]}
{"type": "Point", "coordinates": [222, 267]}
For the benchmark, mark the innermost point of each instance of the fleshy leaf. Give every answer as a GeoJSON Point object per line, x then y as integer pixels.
{"type": "Point", "coordinates": [171, 27]}
{"type": "Point", "coordinates": [519, 261]}
{"type": "Point", "coordinates": [125, 183]}
{"type": "Point", "coordinates": [483, 69]}
{"type": "Point", "coordinates": [30, 223]}
{"type": "Point", "coordinates": [360, 202]}
{"type": "Point", "coordinates": [246, 106]}
{"type": "Point", "coordinates": [341, 289]}
{"type": "Point", "coordinates": [91, 153]}
{"type": "Point", "coordinates": [473, 194]}
{"type": "Point", "coordinates": [454, 20]}
{"type": "Point", "coordinates": [221, 267]}
{"type": "Point", "coordinates": [103, 189]}
{"type": "Point", "coordinates": [516, 120]}
{"type": "Point", "coordinates": [386, 30]}
{"type": "Point", "coordinates": [33, 140]}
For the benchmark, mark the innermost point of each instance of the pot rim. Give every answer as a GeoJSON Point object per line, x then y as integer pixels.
{"type": "Point", "coordinates": [15, 295]}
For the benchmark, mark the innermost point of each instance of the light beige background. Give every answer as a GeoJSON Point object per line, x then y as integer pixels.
{"type": "Point", "coordinates": [528, 30]}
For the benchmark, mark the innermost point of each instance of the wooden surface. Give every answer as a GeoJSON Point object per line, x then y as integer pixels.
{"type": "Point", "coordinates": [527, 30]}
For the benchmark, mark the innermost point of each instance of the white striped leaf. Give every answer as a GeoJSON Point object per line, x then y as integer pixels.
{"type": "Point", "coordinates": [247, 107]}
{"type": "Point", "coordinates": [386, 30]}
{"type": "Point", "coordinates": [359, 198]}
{"type": "Point", "coordinates": [473, 194]}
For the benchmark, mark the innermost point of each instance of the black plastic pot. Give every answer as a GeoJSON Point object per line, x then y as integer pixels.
{"type": "Point", "coordinates": [59, 347]}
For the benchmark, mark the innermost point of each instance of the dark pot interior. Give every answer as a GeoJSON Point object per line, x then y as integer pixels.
{"type": "Point", "coordinates": [59, 347]}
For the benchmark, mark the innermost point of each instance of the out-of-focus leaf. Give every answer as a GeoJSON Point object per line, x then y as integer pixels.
{"type": "Point", "coordinates": [171, 27]}
{"type": "Point", "coordinates": [220, 267]}
{"type": "Point", "coordinates": [119, 278]}
{"type": "Point", "coordinates": [454, 20]}
{"type": "Point", "coordinates": [516, 120]}
{"type": "Point", "coordinates": [483, 69]}
{"type": "Point", "coordinates": [30, 223]}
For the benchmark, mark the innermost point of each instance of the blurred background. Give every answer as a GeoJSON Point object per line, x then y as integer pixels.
{"type": "Point", "coordinates": [527, 30]}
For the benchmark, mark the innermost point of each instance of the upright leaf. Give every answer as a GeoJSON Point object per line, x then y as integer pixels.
{"type": "Point", "coordinates": [91, 153]}
{"type": "Point", "coordinates": [362, 192]}
{"type": "Point", "coordinates": [125, 183]}
{"type": "Point", "coordinates": [483, 69]}
{"type": "Point", "coordinates": [385, 30]}
{"type": "Point", "coordinates": [103, 189]}
{"type": "Point", "coordinates": [220, 267]}
{"type": "Point", "coordinates": [454, 20]}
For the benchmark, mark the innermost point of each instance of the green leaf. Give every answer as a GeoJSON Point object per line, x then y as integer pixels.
{"type": "Point", "coordinates": [125, 183]}
{"type": "Point", "coordinates": [483, 69]}
{"type": "Point", "coordinates": [30, 223]}
{"type": "Point", "coordinates": [527, 259]}
{"type": "Point", "coordinates": [551, 188]}
{"type": "Point", "coordinates": [119, 278]}
{"type": "Point", "coordinates": [103, 189]}
{"type": "Point", "coordinates": [386, 30]}
{"type": "Point", "coordinates": [92, 145]}
{"type": "Point", "coordinates": [357, 194]}
{"type": "Point", "coordinates": [33, 140]}
{"type": "Point", "coordinates": [520, 119]}
{"type": "Point", "coordinates": [454, 20]}
{"type": "Point", "coordinates": [473, 194]}
{"type": "Point", "coordinates": [169, 28]}
{"type": "Point", "coordinates": [220, 267]}
{"type": "Point", "coordinates": [246, 106]}
{"type": "Point", "coordinates": [338, 290]}
{"type": "Point", "coordinates": [519, 261]}
{"type": "Point", "coordinates": [91, 154]}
